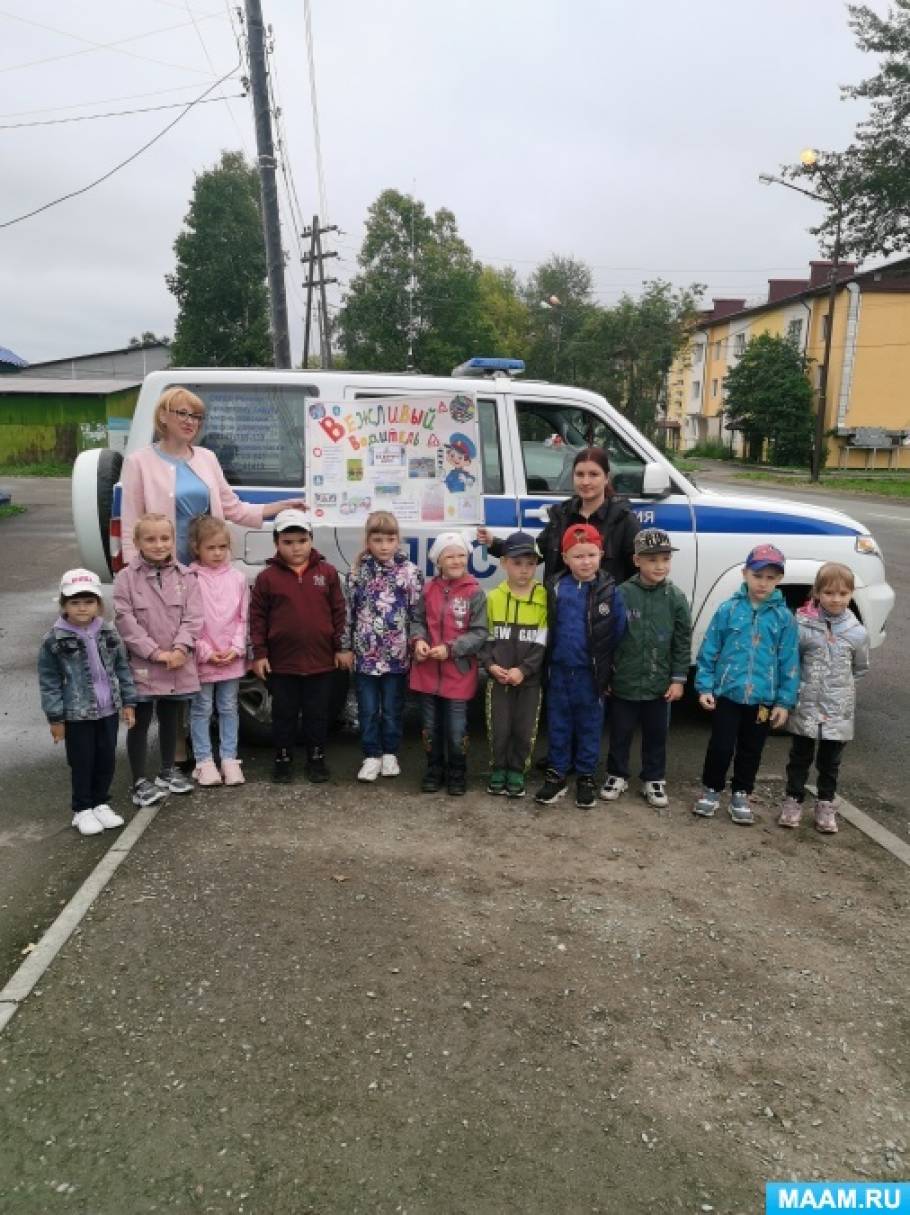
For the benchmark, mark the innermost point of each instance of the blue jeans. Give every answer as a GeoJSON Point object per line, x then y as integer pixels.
{"type": "Point", "coordinates": [445, 730]}
{"type": "Point", "coordinates": [575, 720]}
{"type": "Point", "coordinates": [380, 706]}
{"type": "Point", "coordinates": [224, 697]}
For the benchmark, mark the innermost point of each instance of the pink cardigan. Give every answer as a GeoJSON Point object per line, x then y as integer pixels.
{"type": "Point", "coordinates": [149, 483]}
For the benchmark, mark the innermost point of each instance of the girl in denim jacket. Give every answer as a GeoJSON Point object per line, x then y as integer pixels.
{"type": "Point", "coordinates": [85, 683]}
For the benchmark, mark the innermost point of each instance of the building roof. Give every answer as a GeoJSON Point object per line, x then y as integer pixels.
{"type": "Point", "coordinates": [9, 356]}
{"type": "Point", "coordinates": [32, 385]}
{"type": "Point", "coordinates": [100, 354]}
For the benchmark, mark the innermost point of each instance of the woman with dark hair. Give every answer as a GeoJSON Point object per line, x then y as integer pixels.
{"type": "Point", "coordinates": [596, 502]}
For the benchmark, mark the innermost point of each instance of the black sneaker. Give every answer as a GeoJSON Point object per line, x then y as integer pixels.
{"type": "Point", "coordinates": [432, 779]}
{"type": "Point", "coordinates": [553, 788]}
{"type": "Point", "coordinates": [457, 782]}
{"type": "Point", "coordinates": [585, 792]}
{"type": "Point", "coordinates": [316, 771]}
{"type": "Point", "coordinates": [282, 768]}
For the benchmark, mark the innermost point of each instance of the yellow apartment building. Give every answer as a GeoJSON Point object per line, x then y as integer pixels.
{"type": "Point", "coordinates": [867, 406]}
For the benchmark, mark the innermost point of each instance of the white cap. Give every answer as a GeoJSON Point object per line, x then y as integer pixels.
{"type": "Point", "coordinates": [80, 582]}
{"type": "Point", "coordinates": [448, 540]}
{"type": "Point", "coordinates": [292, 518]}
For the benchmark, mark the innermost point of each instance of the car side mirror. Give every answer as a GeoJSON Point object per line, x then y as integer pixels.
{"type": "Point", "coordinates": [655, 482]}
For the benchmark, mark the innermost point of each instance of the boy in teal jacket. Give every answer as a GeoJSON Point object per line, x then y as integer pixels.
{"type": "Point", "coordinates": [649, 669]}
{"type": "Point", "coordinates": [748, 677]}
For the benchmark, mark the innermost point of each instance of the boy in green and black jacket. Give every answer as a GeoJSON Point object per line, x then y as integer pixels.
{"type": "Point", "coordinates": [513, 658]}
{"type": "Point", "coordinates": [649, 669]}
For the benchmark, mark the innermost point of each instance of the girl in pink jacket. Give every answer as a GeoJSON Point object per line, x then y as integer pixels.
{"type": "Point", "coordinates": [450, 626]}
{"type": "Point", "coordinates": [220, 651]}
{"type": "Point", "coordinates": [158, 613]}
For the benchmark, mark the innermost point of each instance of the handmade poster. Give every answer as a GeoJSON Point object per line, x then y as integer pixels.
{"type": "Point", "coordinates": [418, 457]}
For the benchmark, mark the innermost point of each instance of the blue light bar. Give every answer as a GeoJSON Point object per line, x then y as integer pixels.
{"type": "Point", "coordinates": [482, 366]}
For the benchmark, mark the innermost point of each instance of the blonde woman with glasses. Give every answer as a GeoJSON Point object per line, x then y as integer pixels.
{"type": "Point", "coordinates": [176, 477]}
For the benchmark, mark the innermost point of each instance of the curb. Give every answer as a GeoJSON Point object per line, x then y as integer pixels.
{"type": "Point", "coordinates": [881, 835]}
{"type": "Point", "coordinates": [30, 972]}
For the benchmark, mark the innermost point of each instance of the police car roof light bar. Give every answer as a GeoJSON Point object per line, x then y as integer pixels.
{"type": "Point", "coordinates": [479, 367]}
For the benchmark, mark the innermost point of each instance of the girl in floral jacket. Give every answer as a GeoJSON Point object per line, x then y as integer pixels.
{"type": "Point", "coordinates": [384, 589]}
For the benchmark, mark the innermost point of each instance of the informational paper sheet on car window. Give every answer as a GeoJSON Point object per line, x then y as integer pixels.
{"type": "Point", "coordinates": [418, 457]}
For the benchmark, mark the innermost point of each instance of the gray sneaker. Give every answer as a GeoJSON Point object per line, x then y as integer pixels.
{"type": "Point", "coordinates": [172, 780]}
{"type": "Point", "coordinates": [706, 806]}
{"type": "Point", "coordinates": [741, 811]}
{"type": "Point", "coordinates": [144, 793]}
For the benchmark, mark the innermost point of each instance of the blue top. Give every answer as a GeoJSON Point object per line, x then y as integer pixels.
{"type": "Point", "coordinates": [191, 498]}
{"type": "Point", "coordinates": [570, 629]}
{"type": "Point", "coordinates": [750, 653]}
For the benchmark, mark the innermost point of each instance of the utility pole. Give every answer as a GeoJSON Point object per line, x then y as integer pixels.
{"type": "Point", "coordinates": [265, 153]}
{"type": "Point", "coordinates": [316, 278]}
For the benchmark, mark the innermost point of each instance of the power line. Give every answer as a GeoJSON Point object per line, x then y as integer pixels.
{"type": "Point", "coordinates": [149, 109]}
{"type": "Point", "coordinates": [117, 45]}
{"type": "Point", "coordinates": [320, 175]}
{"type": "Point", "coordinates": [208, 57]}
{"type": "Point", "coordinates": [82, 105]}
{"type": "Point", "coordinates": [110, 173]}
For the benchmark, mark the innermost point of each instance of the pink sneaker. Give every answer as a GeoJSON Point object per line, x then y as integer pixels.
{"type": "Point", "coordinates": [230, 770]}
{"type": "Point", "coordinates": [205, 773]}
{"type": "Point", "coordinates": [790, 813]}
{"type": "Point", "coordinates": [825, 818]}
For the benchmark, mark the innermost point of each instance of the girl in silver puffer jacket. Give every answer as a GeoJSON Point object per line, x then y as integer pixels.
{"type": "Point", "coordinates": [834, 652]}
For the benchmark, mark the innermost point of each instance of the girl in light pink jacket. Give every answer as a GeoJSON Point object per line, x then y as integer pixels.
{"type": "Point", "coordinates": [220, 651]}
{"type": "Point", "coordinates": [158, 613]}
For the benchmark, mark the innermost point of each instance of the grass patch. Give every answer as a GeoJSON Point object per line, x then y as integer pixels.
{"type": "Point", "coordinates": [888, 486]}
{"type": "Point", "coordinates": [10, 509]}
{"type": "Point", "coordinates": [48, 469]}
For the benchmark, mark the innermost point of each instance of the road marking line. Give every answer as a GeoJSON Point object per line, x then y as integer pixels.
{"type": "Point", "coordinates": [891, 518]}
{"type": "Point", "coordinates": [30, 972]}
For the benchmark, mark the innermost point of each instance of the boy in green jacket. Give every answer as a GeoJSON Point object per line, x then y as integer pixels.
{"type": "Point", "coordinates": [649, 670]}
{"type": "Point", "coordinates": [513, 658]}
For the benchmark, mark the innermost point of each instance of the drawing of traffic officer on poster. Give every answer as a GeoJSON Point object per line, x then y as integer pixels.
{"type": "Point", "coordinates": [417, 457]}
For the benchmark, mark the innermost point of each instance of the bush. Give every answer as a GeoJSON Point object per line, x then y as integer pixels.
{"type": "Point", "coordinates": [713, 449]}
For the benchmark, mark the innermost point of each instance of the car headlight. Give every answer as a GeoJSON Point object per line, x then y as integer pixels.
{"type": "Point", "coordinates": [867, 545]}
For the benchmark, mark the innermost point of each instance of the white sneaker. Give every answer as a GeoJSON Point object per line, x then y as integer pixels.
{"type": "Point", "coordinates": [370, 768]}
{"type": "Point", "coordinates": [390, 765]}
{"type": "Point", "coordinates": [655, 793]}
{"type": "Point", "coordinates": [86, 823]}
{"type": "Point", "coordinates": [106, 816]}
{"type": "Point", "coordinates": [612, 788]}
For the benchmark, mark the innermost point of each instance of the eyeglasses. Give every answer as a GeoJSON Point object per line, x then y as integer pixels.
{"type": "Point", "coordinates": [185, 416]}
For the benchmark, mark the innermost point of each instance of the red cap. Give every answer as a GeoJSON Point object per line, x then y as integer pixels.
{"type": "Point", "coordinates": [581, 533]}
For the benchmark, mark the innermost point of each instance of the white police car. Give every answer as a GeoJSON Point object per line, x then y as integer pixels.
{"type": "Point", "coordinates": [529, 432]}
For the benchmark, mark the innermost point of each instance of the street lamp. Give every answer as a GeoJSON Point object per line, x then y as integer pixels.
{"type": "Point", "coordinates": [554, 304]}
{"type": "Point", "coordinates": [832, 198]}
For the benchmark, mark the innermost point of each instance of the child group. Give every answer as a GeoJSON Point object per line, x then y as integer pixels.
{"type": "Point", "coordinates": [601, 651]}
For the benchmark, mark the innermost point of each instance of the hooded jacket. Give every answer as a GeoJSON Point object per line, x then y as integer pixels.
{"type": "Point", "coordinates": [657, 648]}
{"type": "Point", "coordinates": [616, 522]}
{"type": "Point", "coordinates": [750, 653]}
{"type": "Point", "coordinates": [297, 616]}
{"type": "Point", "coordinates": [452, 612]}
{"type": "Point", "coordinates": [65, 674]}
{"type": "Point", "coordinates": [225, 605]}
{"type": "Point", "coordinates": [834, 651]}
{"type": "Point", "coordinates": [158, 607]}
{"type": "Point", "coordinates": [382, 601]}
{"type": "Point", "coordinates": [603, 623]}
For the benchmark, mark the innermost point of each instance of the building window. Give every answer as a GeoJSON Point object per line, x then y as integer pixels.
{"type": "Point", "coordinates": [795, 332]}
{"type": "Point", "coordinates": [739, 344]}
{"type": "Point", "coordinates": [714, 388]}
{"type": "Point", "coordinates": [717, 346]}
{"type": "Point", "coordinates": [696, 389]}
{"type": "Point", "coordinates": [697, 352]}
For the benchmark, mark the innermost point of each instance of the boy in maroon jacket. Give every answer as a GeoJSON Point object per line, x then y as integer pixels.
{"type": "Point", "coordinates": [297, 619]}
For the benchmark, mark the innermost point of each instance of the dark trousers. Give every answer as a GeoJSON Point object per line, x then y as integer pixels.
{"type": "Point", "coordinates": [380, 707]}
{"type": "Point", "coordinates": [168, 712]}
{"type": "Point", "coordinates": [653, 716]}
{"type": "Point", "coordinates": [91, 747]}
{"type": "Point", "coordinates": [512, 714]}
{"type": "Point", "coordinates": [444, 726]}
{"type": "Point", "coordinates": [575, 720]}
{"type": "Point", "coordinates": [296, 698]}
{"type": "Point", "coordinates": [737, 734]}
{"type": "Point", "coordinates": [802, 752]}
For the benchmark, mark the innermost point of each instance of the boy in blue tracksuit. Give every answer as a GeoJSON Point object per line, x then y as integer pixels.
{"type": "Point", "coordinates": [586, 621]}
{"type": "Point", "coordinates": [748, 676]}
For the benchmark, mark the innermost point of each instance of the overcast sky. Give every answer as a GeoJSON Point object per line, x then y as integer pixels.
{"type": "Point", "coordinates": [627, 134]}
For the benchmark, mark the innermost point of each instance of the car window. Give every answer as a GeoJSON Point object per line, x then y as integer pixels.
{"type": "Point", "coordinates": [490, 448]}
{"type": "Point", "coordinates": [257, 431]}
{"type": "Point", "coordinates": [551, 434]}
